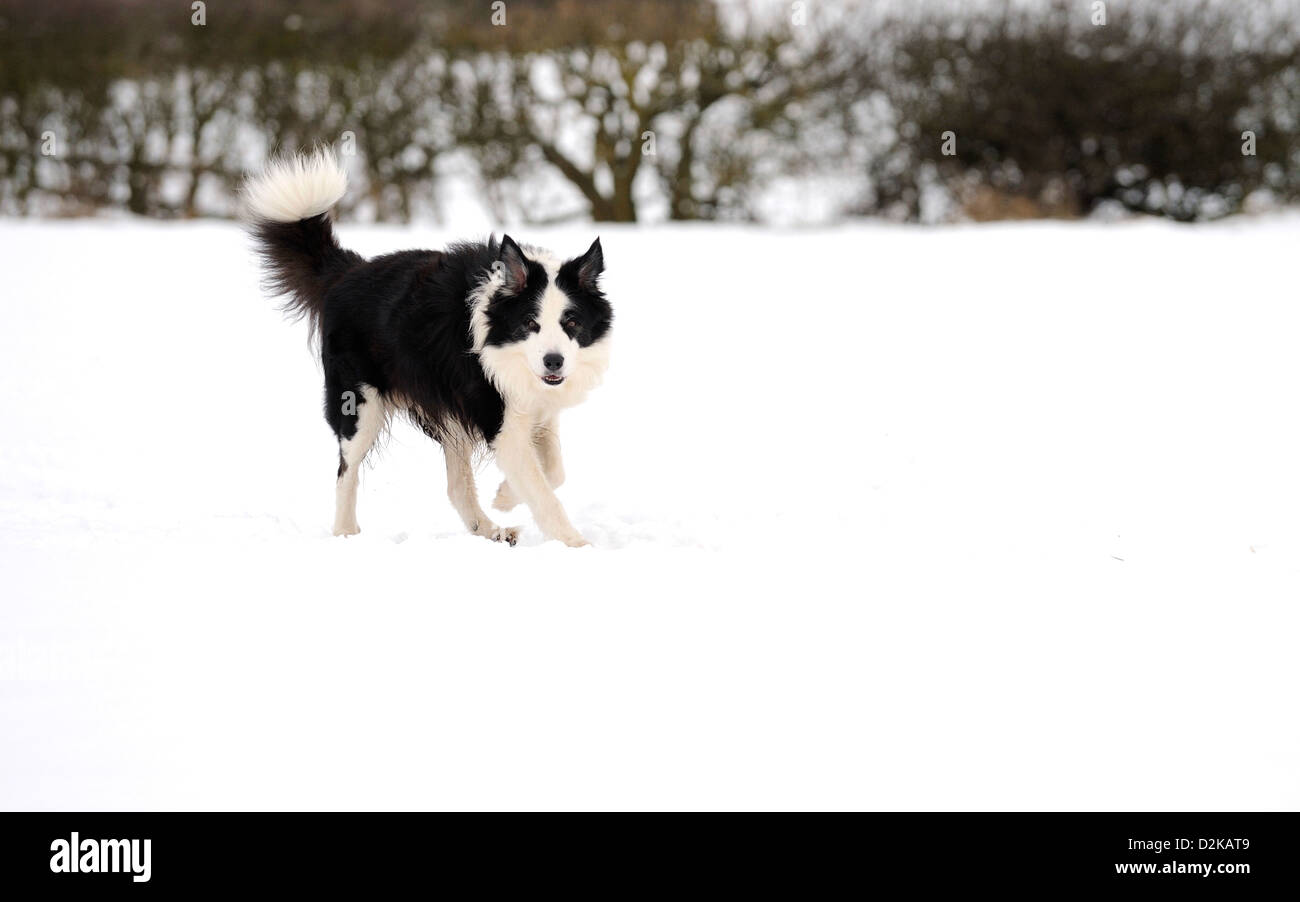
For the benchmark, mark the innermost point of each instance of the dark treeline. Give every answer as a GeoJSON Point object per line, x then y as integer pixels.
{"type": "Point", "coordinates": [624, 109]}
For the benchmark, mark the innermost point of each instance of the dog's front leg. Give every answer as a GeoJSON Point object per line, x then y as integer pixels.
{"type": "Point", "coordinates": [518, 459]}
{"type": "Point", "coordinates": [464, 495]}
{"type": "Point", "coordinates": [546, 439]}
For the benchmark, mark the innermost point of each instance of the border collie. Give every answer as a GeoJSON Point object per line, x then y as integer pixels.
{"type": "Point", "coordinates": [481, 344]}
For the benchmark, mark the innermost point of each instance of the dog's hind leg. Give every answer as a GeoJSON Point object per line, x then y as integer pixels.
{"type": "Point", "coordinates": [546, 441]}
{"type": "Point", "coordinates": [463, 493]}
{"type": "Point", "coordinates": [360, 419]}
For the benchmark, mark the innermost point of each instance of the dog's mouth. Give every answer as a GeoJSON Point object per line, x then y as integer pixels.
{"type": "Point", "coordinates": [552, 378]}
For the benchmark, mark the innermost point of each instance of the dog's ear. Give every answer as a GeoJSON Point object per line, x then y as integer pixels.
{"type": "Point", "coordinates": [589, 266]}
{"type": "Point", "coordinates": [513, 264]}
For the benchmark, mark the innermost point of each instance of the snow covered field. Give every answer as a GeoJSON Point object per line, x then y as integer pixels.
{"type": "Point", "coordinates": [994, 517]}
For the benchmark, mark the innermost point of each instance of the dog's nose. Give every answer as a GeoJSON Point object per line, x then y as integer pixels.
{"type": "Point", "coordinates": [553, 362]}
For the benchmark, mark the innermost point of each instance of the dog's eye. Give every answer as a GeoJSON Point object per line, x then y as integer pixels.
{"type": "Point", "coordinates": [571, 324]}
{"type": "Point", "coordinates": [534, 326]}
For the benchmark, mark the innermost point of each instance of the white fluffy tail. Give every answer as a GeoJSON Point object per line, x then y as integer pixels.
{"type": "Point", "coordinates": [296, 187]}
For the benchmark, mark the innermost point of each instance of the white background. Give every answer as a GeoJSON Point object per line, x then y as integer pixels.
{"type": "Point", "coordinates": [997, 517]}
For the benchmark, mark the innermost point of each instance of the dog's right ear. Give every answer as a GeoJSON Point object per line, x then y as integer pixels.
{"type": "Point", "coordinates": [513, 264]}
{"type": "Point", "coordinates": [590, 266]}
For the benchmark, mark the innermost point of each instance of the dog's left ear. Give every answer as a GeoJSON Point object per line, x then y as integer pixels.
{"type": "Point", "coordinates": [513, 264]}
{"type": "Point", "coordinates": [589, 266]}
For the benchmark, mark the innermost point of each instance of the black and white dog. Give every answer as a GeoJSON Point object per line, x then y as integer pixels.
{"type": "Point", "coordinates": [481, 345]}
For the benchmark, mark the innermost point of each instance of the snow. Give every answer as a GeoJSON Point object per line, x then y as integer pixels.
{"type": "Point", "coordinates": [978, 517]}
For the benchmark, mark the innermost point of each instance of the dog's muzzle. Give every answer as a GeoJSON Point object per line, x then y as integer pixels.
{"type": "Point", "coordinates": [554, 364]}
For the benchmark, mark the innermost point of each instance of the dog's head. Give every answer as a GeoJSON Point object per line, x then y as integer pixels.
{"type": "Point", "coordinates": [541, 327]}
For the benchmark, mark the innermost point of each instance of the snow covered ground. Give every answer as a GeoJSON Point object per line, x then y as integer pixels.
{"type": "Point", "coordinates": [993, 517]}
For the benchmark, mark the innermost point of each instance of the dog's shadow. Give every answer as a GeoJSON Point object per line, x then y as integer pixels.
{"type": "Point", "coordinates": [604, 528]}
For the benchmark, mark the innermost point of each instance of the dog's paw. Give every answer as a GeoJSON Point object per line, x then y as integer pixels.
{"type": "Point", "coordinates": [350, 530]}
{"type": "Point", "coordinates": [507, 534]}
{"type": "Point", "coordinates": [575, 541]}
{"type": "Point", "coordinates": [505, 499]}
